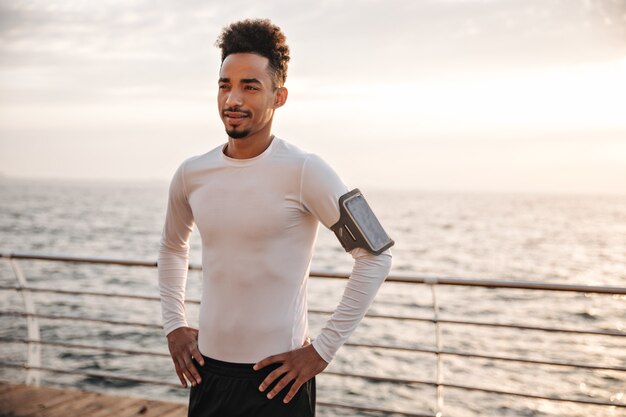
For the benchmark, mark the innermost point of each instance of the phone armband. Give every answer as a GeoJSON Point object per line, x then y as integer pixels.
{"type": "Point", "coordinates": [358, 226]}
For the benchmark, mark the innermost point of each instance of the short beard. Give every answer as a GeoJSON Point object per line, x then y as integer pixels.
{"type": "Point", "coordinates": [238, 135]}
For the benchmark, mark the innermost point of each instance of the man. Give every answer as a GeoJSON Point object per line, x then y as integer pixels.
{"type": "Point", "coordinates": [257, 202]}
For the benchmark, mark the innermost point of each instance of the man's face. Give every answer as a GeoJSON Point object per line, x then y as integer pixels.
{"type": "Point", "coordinates": [246, 99]}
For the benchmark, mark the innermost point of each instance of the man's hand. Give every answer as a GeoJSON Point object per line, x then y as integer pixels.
{"type": "Point", "coordinates": [183, 344]}
{"type": "Point", "coordinates": [298, 366]}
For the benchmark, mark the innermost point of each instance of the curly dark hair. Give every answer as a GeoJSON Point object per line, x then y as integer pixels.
{"type": "Point", "coordinates": [259, 36]}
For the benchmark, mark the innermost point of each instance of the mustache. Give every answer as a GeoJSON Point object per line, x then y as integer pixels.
{"type": "Point", "coordinates": [237, 109]}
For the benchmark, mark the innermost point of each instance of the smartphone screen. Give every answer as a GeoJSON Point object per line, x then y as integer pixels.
{"type": "Point", "coordinates": [366, 221]}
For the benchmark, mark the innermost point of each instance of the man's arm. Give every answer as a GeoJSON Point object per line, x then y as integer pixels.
{"type": "Point", "coordinates": [302, 364]}
{"type": "Point", "coordinates": [368, 273]}
{"type": "Point", "coordinates": [173, 264]}
{"type": "Point", "coordinates": [321, 189]}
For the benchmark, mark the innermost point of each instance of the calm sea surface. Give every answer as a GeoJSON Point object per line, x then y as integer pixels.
{"type": "Point", "coordinates": [561, 239]}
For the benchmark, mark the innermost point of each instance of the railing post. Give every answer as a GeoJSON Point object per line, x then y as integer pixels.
{"type": "Point", "coordinates": [432, 282]}
{"type": "Point", "coordinates": [33, 349]}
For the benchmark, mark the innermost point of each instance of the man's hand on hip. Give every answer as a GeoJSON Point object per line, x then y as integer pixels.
{"type": "Point", "coordinates": [298, 365]}
{"type": "Point", "coordinates": [183, 344]}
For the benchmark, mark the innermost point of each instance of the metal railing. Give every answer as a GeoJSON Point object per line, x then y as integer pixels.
{"type": "Point", "coordinates": [34, 342]}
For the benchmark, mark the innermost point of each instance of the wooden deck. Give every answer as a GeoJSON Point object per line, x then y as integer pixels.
{"type": "Point", "coordinates": [26, 400]}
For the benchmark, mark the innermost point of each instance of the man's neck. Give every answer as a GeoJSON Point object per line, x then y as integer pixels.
{"type": "Point", "coordinates": [248, 147]}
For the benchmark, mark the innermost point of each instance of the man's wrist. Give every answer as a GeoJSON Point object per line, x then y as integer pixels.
{"type": "Point", "coordinates": [173, 329]}
{"type": "Point", "coordinates": [319, 352]}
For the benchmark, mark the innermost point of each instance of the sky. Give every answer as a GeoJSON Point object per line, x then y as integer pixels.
{"type": "Point", "coordinates": [442, 95]}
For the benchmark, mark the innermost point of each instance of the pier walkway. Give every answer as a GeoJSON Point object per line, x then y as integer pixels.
{"type": "Point", "coordinates": [27, 400]}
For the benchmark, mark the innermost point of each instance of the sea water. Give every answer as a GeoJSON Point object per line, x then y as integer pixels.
{"type": "Point", "coordinates": [571, 239]}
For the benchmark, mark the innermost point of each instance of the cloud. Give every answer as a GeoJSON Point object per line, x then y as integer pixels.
{"type": "Point", "coordinates": [142, 70]}
{"type": "Point", "coordinates": [112, 47]}
{"type": "Point", "coordinates": [433, 32]}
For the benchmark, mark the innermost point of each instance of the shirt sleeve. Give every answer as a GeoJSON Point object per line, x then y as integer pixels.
{"type": "Point", "coordinates": [173, 259]}
{"type": "Point", "coordinates": [321, 188]}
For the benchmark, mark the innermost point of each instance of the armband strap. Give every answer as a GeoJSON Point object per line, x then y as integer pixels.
{"type": "Point", "coordinates": [358, 226]}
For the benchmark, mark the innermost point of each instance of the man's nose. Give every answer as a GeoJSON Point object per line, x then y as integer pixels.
{"type": "Point", "coordinates": [234, 98]}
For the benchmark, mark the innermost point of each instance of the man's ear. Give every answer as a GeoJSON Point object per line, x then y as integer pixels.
{"type": "Point", "coordinates": [281, 97]}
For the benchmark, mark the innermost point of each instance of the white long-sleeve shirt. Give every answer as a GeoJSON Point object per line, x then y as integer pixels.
{"type": "Point", "coordinates": [258, 221]}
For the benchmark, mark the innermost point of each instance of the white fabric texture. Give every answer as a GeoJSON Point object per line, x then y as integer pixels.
{"type": "Point", "coordinates": [258, 221]}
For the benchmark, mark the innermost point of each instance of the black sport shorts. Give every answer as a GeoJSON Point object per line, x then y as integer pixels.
{"type": "Point", "coordinates": [232, 390]}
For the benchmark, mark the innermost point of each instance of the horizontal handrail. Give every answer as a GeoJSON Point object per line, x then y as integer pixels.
{"type": "Point", "coordinates": [534, 396]}
{"type": "Point", "coordinates": [410, 279]}
{"type": "Point", "coordinates": [538, 328]}
{"type": "Point", "coordinates": [351, 344]}
{"type": "Point", "coordinates": [85, 259]}
{"type": "Point", "coordinates": [475, 388]}
{"type": "Point", "coordinates": [90, 293]}
{"type": "Point", "coordinates": [491, 357]}
{"type": "Point", "coordinates": [607, 332]}
{"type": "Point", "coordinates": [88, 319]}
{"type": "Point", "coordinates": [348, 375]}
{"type": "Point", "coordinates": [102, 375]}
{"type": "Point", "coordinates": [87, 347]}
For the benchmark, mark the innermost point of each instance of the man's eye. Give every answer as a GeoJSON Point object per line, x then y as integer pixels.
{"type": "Point", "coordinates": [223, 87]}
{"type": "Point", "coordinates": [251, 87]}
